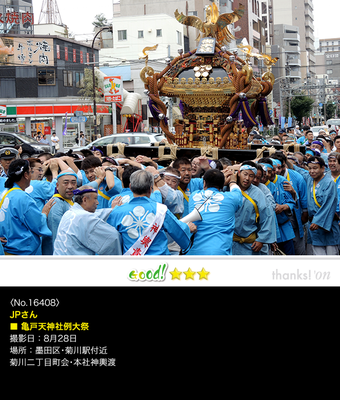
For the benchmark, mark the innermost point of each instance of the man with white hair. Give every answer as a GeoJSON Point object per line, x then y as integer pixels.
{"type": "Point", "coordinates": [83, 230]}
{"type": "Point", "coordinates": [142, 222]}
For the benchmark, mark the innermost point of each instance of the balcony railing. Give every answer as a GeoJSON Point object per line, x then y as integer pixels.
{"type": "Point", "coordinates": [291, 36]}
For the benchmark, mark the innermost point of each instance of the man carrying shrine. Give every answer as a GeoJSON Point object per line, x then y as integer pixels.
{"type": "Point", "coordinates": [254, 224]}
{"type": "Point", "coordinates": [142, 222]}
{"type": "Point", "coordinates": [83, 229]}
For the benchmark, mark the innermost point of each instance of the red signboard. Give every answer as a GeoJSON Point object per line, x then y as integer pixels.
{"type": "Point", "coordinates": [87, 58]}
{"type": "Point", "coordinates": [66, 53]}
{"type": "Point", "coordinates": [81, 57]}
{"type": "Point", "coordinates": [58, 51]}
{"type": "Point", "coordinates": [13, 17]}
{"type": "Point", "coordinates": [74, 55]}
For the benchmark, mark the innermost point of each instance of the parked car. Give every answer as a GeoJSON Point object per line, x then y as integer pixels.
{"type": "Point", "coordinates": [316, 129]}
{"type": "Point", "coordinates": [29, 145]}
{"type": "Point", "coordinates": [333, 121]}
{"type": "Point", "coordinates": [139, 139]}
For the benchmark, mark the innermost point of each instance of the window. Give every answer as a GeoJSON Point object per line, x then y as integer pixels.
{"type": "Point", "coordinates": [46, 76]}
{"type": "Point", "coordinates": [192, 13]}
{"type": "Point", "coordinates": [123, 139]}
{"type": "Point", "coordinates": [80, 79]}
{"type": "Point", "coordinates": [122, 35]}
{"type": "Point", "coordinates": [104, 141]}
{"type": "Point", "coordinates": [140, 34]}
{"type": "Point", "coordinates": [328, 62]}
{"type": "Point", "coordinates": [142, 139]}
{"type": "Point", "coordinates": [329, 71]}
{"type": "Point", "coordinates": [68, 78]}
{"type": "Point", "coordinates": [8, 140]}
{"type": "Point", "coordinates": [179, 37]}
{"type": "Point", "coordinates": [158, 32]}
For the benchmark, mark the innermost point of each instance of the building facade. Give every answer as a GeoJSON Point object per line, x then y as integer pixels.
{"type": "Point", "coordinates": [16, 17]}
{"type": "Point", "coordinates": [253, 29]}
{"type": "Point", "coordinates": [40, 82]}
{"type": "Point", "coordinates": [129, 8]}
{"type": "Point", "coordinates": [299, 13]}
{"type": "Point", "coordinates": [329, 56]}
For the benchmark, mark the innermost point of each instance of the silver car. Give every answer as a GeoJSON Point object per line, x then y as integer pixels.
{"type": "Point", "coordinates": [29, 145]}
{"type": "Point", "coordinates": [135, 139]}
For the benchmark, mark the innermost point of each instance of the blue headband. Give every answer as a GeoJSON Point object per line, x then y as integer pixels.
{"type": "Point", "coordinates": [95, 149]}
{"type": "Point", "coordinates": [266, 166]}
{"type": "Point", "coordinates": [89, 190]}
{"type": "Point", "coordinates": [315, 162]}
{"type": "Point", "coordinates": [318, 142]}
{"type": "Point", "coordinates": [276, 162]}
{"type": "Point", "coordinates": [246, 166]}
{"type": "Point", "coordinates": [67, 173]}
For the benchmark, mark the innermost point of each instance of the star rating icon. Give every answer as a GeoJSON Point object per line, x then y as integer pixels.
{"type": "Point", "coordinates": [189, 274]}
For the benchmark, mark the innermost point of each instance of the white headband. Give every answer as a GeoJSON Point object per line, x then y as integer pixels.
{"type": "Point", "coordinates": [168, 174]}
{"type": "Point", "coordinates": [246, 166]}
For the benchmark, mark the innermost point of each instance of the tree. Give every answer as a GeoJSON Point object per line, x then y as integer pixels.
{"type": "Point", "coordinates": [330, 110]}
{"type": "Point", "coordinates": [100, 21]}
{"type": "Point", "coordinates": [86, 91]}
{"type": "Point", "coordinates": [301, 106]}
{"type": "Point", "coordinates": [68, 33]}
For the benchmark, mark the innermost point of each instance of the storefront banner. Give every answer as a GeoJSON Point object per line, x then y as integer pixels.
{"type": "Point", "coordinates": [3, 111]}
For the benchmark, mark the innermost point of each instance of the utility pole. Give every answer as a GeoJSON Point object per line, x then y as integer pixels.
{"type": "Point", "coordinates": [288, 84]}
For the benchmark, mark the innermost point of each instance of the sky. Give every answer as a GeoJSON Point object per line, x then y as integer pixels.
{"type": "Point", "coordinates": [78, 15]}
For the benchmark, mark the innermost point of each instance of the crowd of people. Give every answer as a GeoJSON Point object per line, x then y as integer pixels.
{"type": "Point", "coordinates": [85, 203]}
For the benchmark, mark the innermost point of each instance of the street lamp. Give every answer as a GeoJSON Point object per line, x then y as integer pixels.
{"type": "Point", "coordinates": [109, 28]}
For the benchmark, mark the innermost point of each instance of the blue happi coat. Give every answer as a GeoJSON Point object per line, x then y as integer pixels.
{"type": "Point", "coordinates": [337, 183]}
{"type": "Point", "coordinates": [104, 195]}
{"type": "Point", "coordinates": [245, 223]}
{"type": "Point", "coordinates": [322, 209]}
{"type": "Point", "coordinates": [173, 199]}
{"type": "Point", "coordinates": [131, 219]}
{"type": "Point", "coordinates": [271, 204]}
{"type": "Point", "coordinates": [300, 186]}
{"type": "Point", "coordinates": [84, 233]}
{"type": "Point", "coordinates": [21, 223]}
{"type": "Point", "coordinates": [214, 234]}
{"type": "Point", "coordinates": [41, 191]}
{"type": "Point", "coordinates": [2, 184]}
{"type": "Point", "coordinates": [127, 195]}
{"type": "Point", "coordinates": [54, 217]}
{"type": "Point", "coordinates": [193, 185]}
{"type": "Point", "coordinates": [281, 196]}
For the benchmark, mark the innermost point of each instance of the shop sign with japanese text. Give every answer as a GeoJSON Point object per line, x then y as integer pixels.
{"type": "Point", "coordinates": [27, 51]}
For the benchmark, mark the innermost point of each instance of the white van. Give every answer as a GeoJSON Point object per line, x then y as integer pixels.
{"type": "Point", "coordinates": [316, 129]}
{"type": "Point", "coordinates": [333, 121]}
